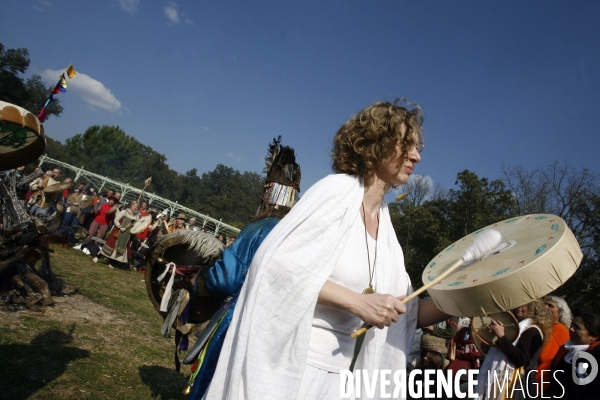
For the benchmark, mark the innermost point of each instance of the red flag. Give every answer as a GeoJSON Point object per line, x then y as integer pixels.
{"type": "Point", "coordinates": [42, 115]}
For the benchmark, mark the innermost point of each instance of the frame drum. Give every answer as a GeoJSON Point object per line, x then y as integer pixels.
{"type": "Point", "coordinates": [479, 327]}
{"type": "Point", "coordinates": [538, 253]}
{"type": "Point", "coordinates": [21, 136]}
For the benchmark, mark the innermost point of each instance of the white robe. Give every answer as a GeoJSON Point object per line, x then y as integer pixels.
{"type": "Point", "coordinates": [265, 350]}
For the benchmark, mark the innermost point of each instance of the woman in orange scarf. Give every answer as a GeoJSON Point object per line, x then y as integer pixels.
{"type": "Point", "coordinates": [560, 313]}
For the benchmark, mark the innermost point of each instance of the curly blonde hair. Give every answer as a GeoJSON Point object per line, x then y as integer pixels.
{"type": "Point", "coordinates": [369, 138]}
{"type": "Point", "coordinates": [540, 316]}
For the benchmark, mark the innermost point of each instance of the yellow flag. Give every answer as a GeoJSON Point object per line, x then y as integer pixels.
{"type": "Point", "coordinates": [63, 82]}
{"type": "Point", "coordinates": [71, 71]}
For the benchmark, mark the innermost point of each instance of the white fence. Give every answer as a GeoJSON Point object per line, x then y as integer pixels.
{"type": "Point", "coordinates": [130, 193]}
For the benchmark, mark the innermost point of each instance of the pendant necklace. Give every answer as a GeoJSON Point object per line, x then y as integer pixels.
{"type": "Point", "coordinates": [370, 289]}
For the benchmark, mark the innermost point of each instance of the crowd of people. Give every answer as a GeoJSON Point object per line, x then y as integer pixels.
{"type": "Point", "coordinates": [541, 354]}
{"type": "Point", "coordinates": [100, 223]}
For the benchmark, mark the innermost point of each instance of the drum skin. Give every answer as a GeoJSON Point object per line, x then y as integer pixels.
{"type": "Point", "coordinates": [538, 254]}
{"type": "Point", "coordinates": [480, 329]}
{"type": "Point", "coordinates": [22, 137]}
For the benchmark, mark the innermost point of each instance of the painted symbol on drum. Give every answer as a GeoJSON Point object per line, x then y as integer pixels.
{"type": "Point", "coordinates": [430, 278]}
{"type": "Point", "coordinates": [432, 264]}
{"type": "Point", "coordinates": [540, 249]}
{"type": "Point", "coordinates": [555, 227]}
{"type": "Point", "coordinates": [511, 220]}
{"type": "Point", "coordinates": [450, 248]}
{"type": "Point", "coordinates": [541, 217]}
{"type": "Point", "coordinates": [455, 283]}
{"type": "Point", "coordinates": [500, 272]}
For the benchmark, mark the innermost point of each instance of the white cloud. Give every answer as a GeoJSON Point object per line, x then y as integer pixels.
{"type": "Point", "coordinates": [171, 13]}
{"type": "Point", "coordinates": [130, 6]}
{"type": "Point", "coordinates": [233, 156]}
{"type": "Point", "coordinates": [174, 15]}
{"type": "Point", "coordinates": [42, 5]}
{"type": "Point", "coordinates": [91, 91]}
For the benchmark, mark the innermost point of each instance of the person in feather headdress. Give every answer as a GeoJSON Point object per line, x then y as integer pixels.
{"type": "Point", "coordinates": [225, 279]}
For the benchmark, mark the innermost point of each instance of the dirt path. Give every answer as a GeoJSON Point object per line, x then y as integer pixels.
{"type": "Point", "coordinates": [68, 307]}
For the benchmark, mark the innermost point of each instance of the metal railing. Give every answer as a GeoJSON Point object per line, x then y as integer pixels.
{"type": "Point", "coordinates": [130, 193]}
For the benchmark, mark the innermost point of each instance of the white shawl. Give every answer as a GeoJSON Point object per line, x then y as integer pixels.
{"type": "Point", "coordinates": [496, 360]}
{"type": "Point", "coordinates": [265, 350]}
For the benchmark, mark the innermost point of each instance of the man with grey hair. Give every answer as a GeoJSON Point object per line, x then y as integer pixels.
{"type": "Point", "coordinates": [192, 225]}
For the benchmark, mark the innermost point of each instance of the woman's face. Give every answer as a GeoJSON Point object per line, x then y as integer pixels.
{"type": "Point", "coordinates": [397, 169]}
{"type": "Point", "coordinates": [521, 312]}
{"type": "Point", "coordinates": [579, 333]}
{"type": "Point", "coordinates": [134, 207]}
{"type": "Point", "coordinates": [553, 311]}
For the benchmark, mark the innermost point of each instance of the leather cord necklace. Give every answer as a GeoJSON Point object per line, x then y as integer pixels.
{"type": "Point", "coordinates": [370, 289]}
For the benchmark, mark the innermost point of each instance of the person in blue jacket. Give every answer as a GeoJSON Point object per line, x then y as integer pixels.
{"type": "Point", "coordinates": [225, 279]}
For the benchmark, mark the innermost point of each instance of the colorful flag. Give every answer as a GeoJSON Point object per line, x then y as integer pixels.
{"type": "Point", "coordinates": [50, 99]}
{"type": "Point", "coordinates": [62, 83]}
{"type": "Point", "coordinates": [71, 71]}
{"type": "Point", "coordinates": [60, 87]}
{"type": "Point", "coordinates": [42, 115]}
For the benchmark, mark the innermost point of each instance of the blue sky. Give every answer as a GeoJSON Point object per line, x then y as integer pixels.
{"type": "Point", "coordinates": [213, 82]}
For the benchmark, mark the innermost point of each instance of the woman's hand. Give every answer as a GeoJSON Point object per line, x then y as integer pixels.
{"type": "Point", "coordinates": [375, 309]}
{"type": "Point", "coordinates": [379, 310]}
{"type": "Point", "coordinates": [497, 327]}
{"type": "Point", "coordinates": [122, 229]}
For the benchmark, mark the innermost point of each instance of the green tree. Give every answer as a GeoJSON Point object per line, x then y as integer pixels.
{"type": "Point", "coordinates": [477, 203]}
{"type": "Point", "coordinates": [30, 94]}
{"type": "Point", "coordinates": [108, 151]}
{"type": "Point", "coordinates": [432, 219]}
{"type": "Point", "coordinates": [227, 194]}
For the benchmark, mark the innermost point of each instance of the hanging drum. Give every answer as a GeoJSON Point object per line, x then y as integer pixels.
{"type": "Point", "coordinates": [480, 327]}
{"type": "Point", "coordinates": [21, 136]}
{"type": "Point", "coordinates": [538, 253]}
{"type": "Point", "coordinates": [182, 254]}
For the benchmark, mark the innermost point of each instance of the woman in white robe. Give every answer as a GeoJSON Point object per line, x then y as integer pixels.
{"type": "Point", "coordinates": [302, 297]}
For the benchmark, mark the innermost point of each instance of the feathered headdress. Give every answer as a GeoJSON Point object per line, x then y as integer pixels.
{"type": "Point", "coordinates": [283, 175]}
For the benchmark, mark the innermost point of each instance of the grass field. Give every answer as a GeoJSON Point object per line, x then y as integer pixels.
{"type": "Point", "coordinates": [100, 340]}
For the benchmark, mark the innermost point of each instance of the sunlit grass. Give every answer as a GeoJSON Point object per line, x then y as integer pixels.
{"type": "Point", "coordinates": [119, 356]}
